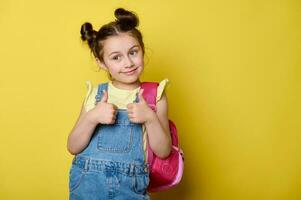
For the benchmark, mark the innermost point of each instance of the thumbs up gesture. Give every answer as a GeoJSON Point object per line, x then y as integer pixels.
{"type": "Point", "coordinates": [140, 112]}
{"type": "Point", "coordinates": [104, 112]}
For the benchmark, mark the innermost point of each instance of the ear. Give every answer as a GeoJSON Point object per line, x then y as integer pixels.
{"type": "Point", "coordinates": [101, 64]}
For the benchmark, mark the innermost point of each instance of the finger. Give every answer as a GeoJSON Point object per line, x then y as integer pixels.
{"type": "Point", "coordinates": [113, 119]}
{"type": "Point", "coordinates": [130, 113]}
{"type": "Point", "coordinates": [115, 114]}
{"type": "Point", "coordinates": [129, 106]}
{"type": "Point", "coordinates": [131, 118]}
{"type": "Point", "coordinates": [104, 98]}
{"type": "Point", "coordinates": [140, 95]}
{"type": "Point", "coordinates": [115, 107]}
{"type": "Point", "coordinates": [129, 109]}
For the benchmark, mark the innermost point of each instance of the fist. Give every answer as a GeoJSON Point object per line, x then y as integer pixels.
{"type": "Point", "coordinates": [139, 112]}
{"type": "Point", "coordinates": [104, 112]}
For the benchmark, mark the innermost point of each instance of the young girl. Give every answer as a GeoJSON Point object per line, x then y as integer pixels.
{"type": "Point", "coordinates": [110, 136]}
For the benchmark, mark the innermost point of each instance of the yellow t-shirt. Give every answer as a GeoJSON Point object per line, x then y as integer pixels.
{"type": "Point", "coordinates": [121, 98]}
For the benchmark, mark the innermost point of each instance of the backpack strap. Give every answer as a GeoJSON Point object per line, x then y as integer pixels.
{"type": "Point", "coordinates": [150, 95]}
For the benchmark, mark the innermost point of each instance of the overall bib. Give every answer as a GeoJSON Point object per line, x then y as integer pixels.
{"type": "Point", "coordinates": [113, 165]}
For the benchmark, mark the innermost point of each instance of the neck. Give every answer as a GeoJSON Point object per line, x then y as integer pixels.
{"type": "Point", "coordinates": [126, 86]}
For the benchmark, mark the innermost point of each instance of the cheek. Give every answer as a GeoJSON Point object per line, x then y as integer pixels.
{"type": "Point", "coordinates": [113, 69]}
{"type": "Point", "coordinates": [140, 61]}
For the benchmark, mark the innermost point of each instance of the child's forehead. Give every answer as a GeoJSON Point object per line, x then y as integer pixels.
{"type": "Point", "coordinates": [119, 42]}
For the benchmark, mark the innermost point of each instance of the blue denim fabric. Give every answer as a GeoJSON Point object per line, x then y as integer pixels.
{"type": "Point", "coordinates": [112, 166]}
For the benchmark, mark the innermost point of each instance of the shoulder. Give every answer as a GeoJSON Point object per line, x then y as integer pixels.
{"type": "Point", "coordinates": [89, 101]}
{"type": "Point", "coordinates": [162, 103]}
{"type": "Point", "coordinates": [161, 96]}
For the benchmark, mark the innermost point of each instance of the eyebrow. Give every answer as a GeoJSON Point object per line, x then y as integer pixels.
{"type": "Point", "coordinates": [129, 49]}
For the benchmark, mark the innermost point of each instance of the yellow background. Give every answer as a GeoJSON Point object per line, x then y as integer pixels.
{"type": "Point", "coordinates": [234, 69]}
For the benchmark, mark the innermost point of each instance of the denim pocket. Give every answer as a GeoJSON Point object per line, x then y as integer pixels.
{"type": "Point", "coordinates": [140, 183]}
{"type": "Point", "coordinates": [116, 138]}
{"type": "Point", "coordinates": [75, 177]}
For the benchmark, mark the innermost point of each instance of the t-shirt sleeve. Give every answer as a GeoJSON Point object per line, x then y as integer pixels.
{"type": "Point", "coordinates": [161, 88]}
{"type": "Point", "coordinates": [89, 101]}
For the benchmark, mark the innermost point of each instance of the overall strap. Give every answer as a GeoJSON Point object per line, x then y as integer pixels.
{"type": "Point", "coordinates": [101, 87]}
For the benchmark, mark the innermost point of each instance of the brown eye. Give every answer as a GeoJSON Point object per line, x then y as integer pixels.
{"type": "Point", "coordinates": [116, 57]}
{"type": "Point", "coordinates": [133, 52]}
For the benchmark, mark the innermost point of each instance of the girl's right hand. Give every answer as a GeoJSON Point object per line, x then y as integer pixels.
{"type": "Point", "coordinates": [104, 112]}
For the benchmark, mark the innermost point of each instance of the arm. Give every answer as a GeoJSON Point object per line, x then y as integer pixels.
{"type": "Point", "coordinates": [102, 113]}
{"type": "Point", "coordinates": [80, 134]}
{"type": "Point", "coordinates": [157, 127]}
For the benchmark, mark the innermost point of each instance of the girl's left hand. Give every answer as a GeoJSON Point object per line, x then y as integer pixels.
{"type": "Point", "coordinates": [140, 112]}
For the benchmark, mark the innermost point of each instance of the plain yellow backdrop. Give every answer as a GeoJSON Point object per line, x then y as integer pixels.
{"type": "Point", "coordinates": [234, 71]}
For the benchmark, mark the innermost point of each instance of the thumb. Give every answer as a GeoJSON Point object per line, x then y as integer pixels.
{"type": "Point", "coordinates": [140, 96]}
{"type": "Point", "coordinates": [104, 98]}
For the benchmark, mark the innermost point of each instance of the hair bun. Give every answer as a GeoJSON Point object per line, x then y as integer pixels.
{"type": "Point", "coordinates": [87, 32]}
{"type": "Point", "coordinates": [126, 19]}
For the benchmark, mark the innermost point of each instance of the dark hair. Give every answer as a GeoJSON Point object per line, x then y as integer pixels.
{"type": "Point", "coordinates": [126, 21]}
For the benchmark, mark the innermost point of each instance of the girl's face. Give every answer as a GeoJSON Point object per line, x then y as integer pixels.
{"type": "Point", "coordinates": [123, 59]}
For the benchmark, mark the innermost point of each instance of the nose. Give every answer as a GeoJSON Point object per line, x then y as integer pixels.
{"type": "Point", "coordinates": [128, 62]}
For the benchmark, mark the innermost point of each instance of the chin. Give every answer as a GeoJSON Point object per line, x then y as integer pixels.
{"type": "Point", "coordinates": [132, 80]}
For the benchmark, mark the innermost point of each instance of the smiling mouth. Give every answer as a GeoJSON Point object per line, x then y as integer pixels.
{"type": "Point", "coordinates": [130, 71]}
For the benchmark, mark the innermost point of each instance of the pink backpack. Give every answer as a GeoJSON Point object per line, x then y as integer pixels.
{"type": "Point", "coordinates": [166, 173]}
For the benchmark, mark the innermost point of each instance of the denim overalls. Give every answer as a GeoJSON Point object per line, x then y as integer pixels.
{"type": "Point", "coordinates": [112, 166]}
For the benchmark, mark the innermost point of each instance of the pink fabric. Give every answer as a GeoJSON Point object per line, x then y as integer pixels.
{"type": "Point", "coordinates": [166, 173]}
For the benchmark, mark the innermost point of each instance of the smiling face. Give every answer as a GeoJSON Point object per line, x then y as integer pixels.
{"type": "Point", "coordinates": [123, 59]}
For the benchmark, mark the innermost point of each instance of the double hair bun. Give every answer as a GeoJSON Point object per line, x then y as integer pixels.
{"type": "Point", "coordinates": [125, 19]}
